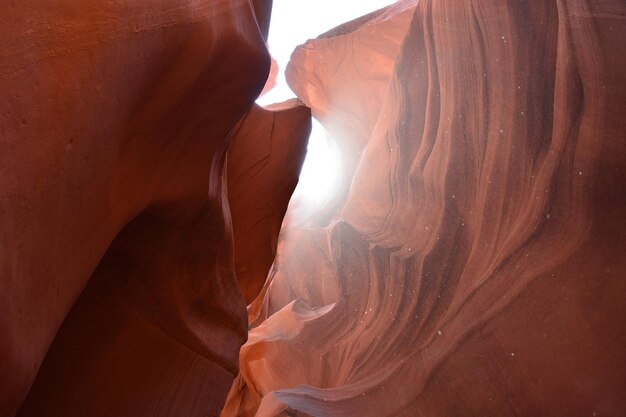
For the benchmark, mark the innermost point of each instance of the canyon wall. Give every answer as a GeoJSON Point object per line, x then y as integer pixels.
{"type": "Point", "coordinates": [473, 262]}
{"type": "Point", "coordinates": [118, 286]}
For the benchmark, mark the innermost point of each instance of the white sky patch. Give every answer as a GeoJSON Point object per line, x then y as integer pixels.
{"type": "Point", "coordinates": [293, 23]}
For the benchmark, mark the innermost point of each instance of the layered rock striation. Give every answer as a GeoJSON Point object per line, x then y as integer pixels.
{"type": "Point", "coordinates": [473, 264]}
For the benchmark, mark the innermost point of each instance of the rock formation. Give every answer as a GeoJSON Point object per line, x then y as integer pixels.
{"type": "Point", "coordinates": [474, 262]}
{"type": "Point", "coordinates": [471, 263]}
{"type": "Point", "coordinates": [117, 261]}
{"type": "Point", "coordinates": [264, 161]}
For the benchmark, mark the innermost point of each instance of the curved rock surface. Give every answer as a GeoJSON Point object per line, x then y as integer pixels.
{"type": "Point", "coordinates": [471, 264]}
{"type": "Point", "coordinates": [117, 261]}
{"type": "Point", "coordinates": [475, 263]}
{"type": "Point", "coordinates": [342, 76]}
{"type": "Point", "coordinates": [264, 161]}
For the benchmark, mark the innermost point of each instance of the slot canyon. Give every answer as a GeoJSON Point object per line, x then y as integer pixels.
{"type": "Point", "coordinates": [160, 255]}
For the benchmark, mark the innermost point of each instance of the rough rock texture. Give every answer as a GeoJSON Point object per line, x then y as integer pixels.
{"type": "Point", "coordinates": [115, 123]}
{"type": "Point", "coordinates": [475, 264]}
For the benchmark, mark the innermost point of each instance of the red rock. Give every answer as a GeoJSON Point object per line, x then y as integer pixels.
{"type": "Point", "coordinates": [264, 161]}
{"type": "Point", "coordinates": [472, 263]}
{"type": "Point", "coordinates": [476, 265]}
{"type": "Point", "coordinates": [168, 342]}
{"type": "Point", "coordinates": [114, 128]}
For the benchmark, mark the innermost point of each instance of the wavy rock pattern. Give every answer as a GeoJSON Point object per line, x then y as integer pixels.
{"type": "Point", "coordinates": [347, 105]}
{"type": "Point", "coordinates": [117, 261]}
{"type": "Point", "coordinates": [474, 265]}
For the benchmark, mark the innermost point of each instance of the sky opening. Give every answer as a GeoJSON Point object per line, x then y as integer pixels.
{"type": "Point", "coordinates": [293, 23]}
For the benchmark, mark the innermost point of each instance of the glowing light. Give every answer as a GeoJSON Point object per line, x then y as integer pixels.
{"type": "Point", "coordinates": [322, 170]}
{"type": "Point", "coordinates": [293, 23]}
